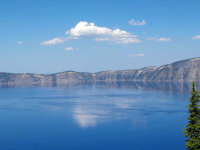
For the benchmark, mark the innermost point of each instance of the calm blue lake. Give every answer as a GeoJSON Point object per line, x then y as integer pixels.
{"type": "Point", "coordinates": [136, 116]}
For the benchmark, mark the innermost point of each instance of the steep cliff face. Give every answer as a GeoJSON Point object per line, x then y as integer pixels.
{"type": "Point", "coordinates": [181, 70]}
{"type": "Point", "coordinates": [185, 70]}
{"type": "Point", "coordinates": [23, 78]}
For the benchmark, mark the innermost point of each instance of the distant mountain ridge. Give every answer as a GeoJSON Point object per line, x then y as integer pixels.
{"type": "Point", "coordinates": [184, 70]}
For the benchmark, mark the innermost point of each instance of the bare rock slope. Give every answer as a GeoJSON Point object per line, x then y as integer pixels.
{"type": "Point", "coordinates": [185, 70]}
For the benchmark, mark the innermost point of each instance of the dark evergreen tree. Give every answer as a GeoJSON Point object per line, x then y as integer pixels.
{"type": "Point", "coordinates": [192, 130]}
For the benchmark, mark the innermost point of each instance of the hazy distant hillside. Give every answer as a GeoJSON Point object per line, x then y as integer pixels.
{"type": "Point", "coordinates": [185, 70]}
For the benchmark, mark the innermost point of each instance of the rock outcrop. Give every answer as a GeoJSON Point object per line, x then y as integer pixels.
{"type": "Point", "coordinates": [185, 70]}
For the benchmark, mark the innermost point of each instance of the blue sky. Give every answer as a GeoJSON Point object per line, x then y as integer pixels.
{"type": "Point", "coordinates": [46, 36]}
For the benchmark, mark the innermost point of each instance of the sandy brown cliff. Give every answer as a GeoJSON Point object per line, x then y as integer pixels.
{"type": "Point", "coordinates": [185, 70]}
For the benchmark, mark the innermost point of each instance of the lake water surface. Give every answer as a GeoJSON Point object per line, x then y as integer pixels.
{"type": "Point", "coordinates": [137, 116]}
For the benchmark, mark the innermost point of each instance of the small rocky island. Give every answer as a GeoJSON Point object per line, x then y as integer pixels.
{"type": "Point", "coordinates": [185, 70]}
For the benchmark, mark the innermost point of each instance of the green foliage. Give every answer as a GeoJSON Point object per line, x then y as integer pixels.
{"type": "Point", "coordinates": [192, 130]}
{"type": "Point", "coordinates": [5, 77]}
{"type": "Point", "coordinates": [119, 77]}
{"type": "Point", "coordinates": [54, 79]}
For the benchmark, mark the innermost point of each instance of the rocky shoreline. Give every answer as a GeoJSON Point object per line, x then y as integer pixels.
{"type": "Point", "coordinates": [185, 70]}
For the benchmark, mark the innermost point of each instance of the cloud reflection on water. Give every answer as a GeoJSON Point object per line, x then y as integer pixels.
{"type": "Point", "coordinates": [90, 112]}
{"type": "Point", "coordinates": [87, 116]}
{"type": "Point", "coordinates": [90, 109]}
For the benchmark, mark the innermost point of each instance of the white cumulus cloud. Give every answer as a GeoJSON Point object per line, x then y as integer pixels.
{"type": "Point", "coordinates": [137, 55]}
{"type": "Point", "coordinates": [196, 37]}
{"type": "Point", "coordinates": [58, 40]}
{"type": "Point", "coordinates": [69, 48]}
{"type": "Point", "coordinates": [133, 22]}
{"type": "Point", "coordinates": [164, 39]}
{"type": "Point", "coordinates": [89, 30]}
{"type": "Point", "coordinates": [20, 42]}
